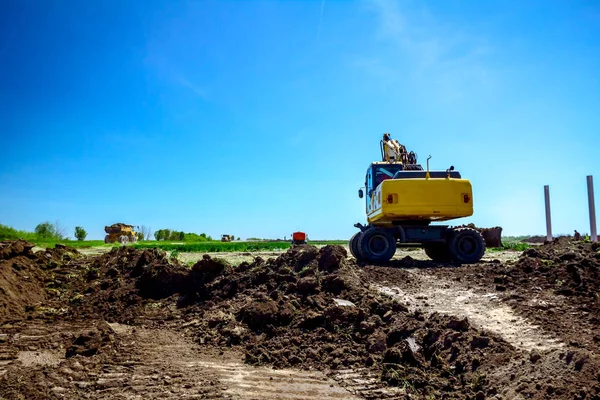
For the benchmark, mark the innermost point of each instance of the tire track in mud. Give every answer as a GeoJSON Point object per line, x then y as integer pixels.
{"type": "Point", "coordinates": [150, 363]}
{"type": "Point", "coordinates": [236, 380]}
{"type": "Point", "coordinates": [434, 294]}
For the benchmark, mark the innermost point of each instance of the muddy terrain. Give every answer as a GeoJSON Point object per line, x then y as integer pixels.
{"type": "Point", "coordinates": [307, 323]}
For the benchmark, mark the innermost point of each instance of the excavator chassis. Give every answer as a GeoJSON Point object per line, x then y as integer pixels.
{"type": "Point", "coordinates": [377, 244]}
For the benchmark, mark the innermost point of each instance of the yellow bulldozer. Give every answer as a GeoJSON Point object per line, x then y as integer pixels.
{"type": "Point", "coordinates": [402, 201]}
{"type": "Point", "coordinates": [121, 233]}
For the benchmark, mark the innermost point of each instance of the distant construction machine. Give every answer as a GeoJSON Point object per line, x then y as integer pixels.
{"type": "Point", "coordinates": [299, 238]}
{"type": "Point", "coordinates": [227, 238]}
{"type": "Point", "coordinates": [121, 233]}
{"type": "Point", "coordinates": [402, 200]}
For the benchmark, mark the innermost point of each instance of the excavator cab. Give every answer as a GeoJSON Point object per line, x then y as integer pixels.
{"type": "Point", "coordinates": [381, 171]}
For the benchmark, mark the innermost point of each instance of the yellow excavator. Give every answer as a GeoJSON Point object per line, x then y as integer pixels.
{"type": "Point", "coordinates": [402, 201]}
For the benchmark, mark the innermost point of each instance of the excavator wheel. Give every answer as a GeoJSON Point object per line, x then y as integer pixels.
{"type": "Point", "coordinates": [377, 245]}
{"type": "Point", "coordinates": [438, 252]}
{"type": "Point", "coordinates": [354, 246]}
{"type": "Point", "coordinates": [466, 245]}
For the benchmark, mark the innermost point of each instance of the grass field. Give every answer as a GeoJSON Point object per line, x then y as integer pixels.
{"type": "Point", "coordinates": [208, 247]}
{"type": "Point", "coordinates": [220, 247]}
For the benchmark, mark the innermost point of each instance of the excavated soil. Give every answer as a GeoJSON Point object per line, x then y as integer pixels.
{"type": "Point", "coordinates": [545, 304]}
{"type": "Point", "coordinates": [309, 323]}
{"type": "Point", "coordinates": [555, 285]}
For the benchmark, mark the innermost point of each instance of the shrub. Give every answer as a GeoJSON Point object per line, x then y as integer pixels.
{"type": "Point", "coordinates": [48, 231]}
{"type": "Point", "coordinates": [80, 233]}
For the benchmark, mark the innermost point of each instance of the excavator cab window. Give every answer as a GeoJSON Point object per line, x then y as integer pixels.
{"type": "Point", "coordinates": [383, 172]}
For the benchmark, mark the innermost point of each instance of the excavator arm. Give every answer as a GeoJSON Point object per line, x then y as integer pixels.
{"type": "Point", "coordinates": [393, 151]}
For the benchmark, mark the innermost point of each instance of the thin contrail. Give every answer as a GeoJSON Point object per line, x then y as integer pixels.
{"type": "Point", "coordinates": [320, 19]}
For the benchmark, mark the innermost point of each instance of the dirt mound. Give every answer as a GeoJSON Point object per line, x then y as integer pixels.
{"type": "Point", "coordinates": [570, 268]}
{"type": "Point", "coordinates": [117, 285]}
{"type": "Point", "coordinates": [208, 269]}
{"type": "Point", "coordinates": [14, 248]}
{"type": "Point", "coordinates": [309, 308]}
{"type": "Point", "coordinates": [314, 309]}
{"type": "Point", "coordinates": [21, 280]}
{"type": "Point", "coordinates": [555, 285]}
{"type": "Point", "coordinates": [58, 256]}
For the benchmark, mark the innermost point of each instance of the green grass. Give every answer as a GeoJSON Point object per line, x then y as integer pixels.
{"type": "Point", "coordinates": [514, 246]}
{"type": "Point", "coordinates": [9, 233]}
{"type": "Point", "coordinates": [207, 247]}
{"type": "Point", "coordinates": [72, 243]}
{"type": "Point", "coordinates": [515, 238]}
{"type": "Point", "coordinates": [217, 246]}
{"type": "Point", "coordinates": [326, 242]}
{"type": "Point", "coordinates": [213, 247]}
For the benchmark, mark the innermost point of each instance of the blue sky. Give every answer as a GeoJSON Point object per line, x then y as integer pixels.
{"type": "Point", "coordinates": [260, 118]}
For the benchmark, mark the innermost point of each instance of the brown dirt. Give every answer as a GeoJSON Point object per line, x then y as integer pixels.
{"type": "Point", "coordinates": [555, 285]}
{"type": "Point", "coordinates": [284, 312]}
{"type": "Point", "coordinates": [27, 278]}
{"type": "Point", "coordinates": [544, 304]}
{"type": "Point", "coordinates": [134, 323]}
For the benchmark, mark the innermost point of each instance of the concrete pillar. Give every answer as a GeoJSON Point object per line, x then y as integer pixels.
{"type": "Point", "coordinates": [590, 187]}
{"type": "Point", "coordinates": [548, 219]}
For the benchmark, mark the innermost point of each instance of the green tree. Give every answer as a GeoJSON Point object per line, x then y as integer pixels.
{"type": "Point", "coordinates": [80, 233]}
{"type": "Point", "coordinates": [49, 231]}
{"type": "Point", "coordinates": [45, 230]}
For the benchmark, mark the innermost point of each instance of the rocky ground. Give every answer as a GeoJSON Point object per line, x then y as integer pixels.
{"type": "Point", "coordinates": [308, 323]}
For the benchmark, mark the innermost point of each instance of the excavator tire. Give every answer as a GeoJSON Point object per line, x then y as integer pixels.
{"type": "Point", "coordinates": [354, 246]}
{"type": "Point", "coordinates": [466, 245]}
{"type": "Point", "coordinates": [377, 245]}
{"type": "Point", "coordinates": [438, 252]}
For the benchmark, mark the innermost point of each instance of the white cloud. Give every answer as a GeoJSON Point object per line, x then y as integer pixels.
{"type": "Point", "coordinates": [428, 50]}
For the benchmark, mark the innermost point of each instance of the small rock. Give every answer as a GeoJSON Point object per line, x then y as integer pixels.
{"type": "Point", "coordinates": [77, 366]}
{"type": "Point", "coordinates": [534, 356]}
{"type": "Point", "coordinates": [344, 303]}
{"type": "Point", "coordinates": [580, 363]}
{"type": "Point", "coordinates": [294, 360]}
{"type": "Point", "coordinates": [459, 324]}
{"type": "Point", "coordinates": [480, 342]}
